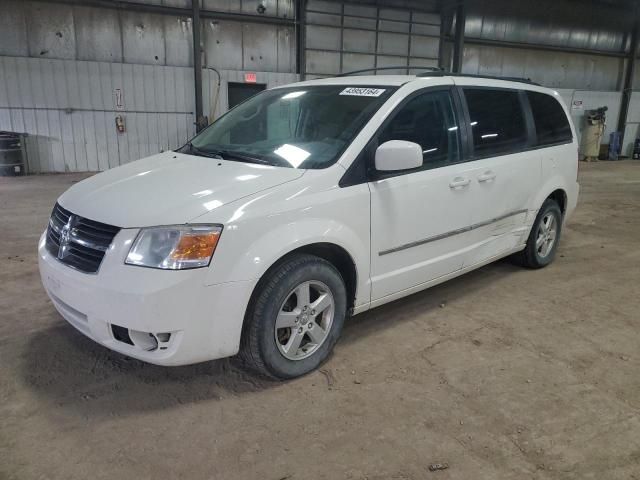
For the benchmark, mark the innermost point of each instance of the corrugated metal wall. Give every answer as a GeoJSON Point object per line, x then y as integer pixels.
{"type": "Point", "coordinates": [633, 124]}
{"type": "Point", "coordinates": [548, 22]}
{"type": "Point", "coordinates": [69, 107]}
{"type": "Point", "coordinates": [248, 46]}
{"type": "Point", "coordinates": [553, 24]}
{"type": "Point", "coordinates": [343, 37]}
{"type": "Point", "coordinates": [579, 101]}
{"type": "Point", "coordinates": [60, 67]}
{"type": "Point", "coordinates": [109, 35]}
{"type": "Point", "coordinates": [210, 87]}
{"type": "Point", "coordinates": [553, 69]}
{"type": "Point", "coordinates": [593, 79]}
{"type": "Point", "coordinates": [43, 30]}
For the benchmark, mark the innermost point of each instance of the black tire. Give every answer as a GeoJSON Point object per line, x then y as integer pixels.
{"type": "Point", "coordinates": [531, 257]}
{"type": "Point", "coordinates": [259, 350]}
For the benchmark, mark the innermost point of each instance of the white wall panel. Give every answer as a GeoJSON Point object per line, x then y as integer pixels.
{"type": "Point", "coordinates": [68, 109]}
{"type": "Point", "coordinates": [632, 130]}
{"type": "Point", "coordinates": [590, 100]}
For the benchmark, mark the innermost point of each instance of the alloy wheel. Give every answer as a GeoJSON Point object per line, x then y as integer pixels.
{"type": "Point", "coordinates": [304, 320]}
{"type": "Point", "coordinates": [547, 233]}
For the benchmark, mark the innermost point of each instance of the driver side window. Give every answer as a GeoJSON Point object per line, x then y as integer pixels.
{"type": "Point", "coordinates": [428, 120]}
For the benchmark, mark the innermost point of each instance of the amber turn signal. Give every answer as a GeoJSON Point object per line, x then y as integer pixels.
{"type": "Point", "coordinates": [194, 246]}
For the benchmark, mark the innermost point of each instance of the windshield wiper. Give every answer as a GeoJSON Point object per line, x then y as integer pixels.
{"type": "Point", "coordinates": [230, 154]}
{"type": "Point", "coordinates": [193, 150]}
{"type": "Point", "coordinates": [225, 154]}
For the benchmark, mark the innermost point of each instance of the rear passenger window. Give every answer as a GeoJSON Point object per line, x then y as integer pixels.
{"type": "Point", "coordinates": [497, 121]}
{"type": "Point", "coordinates": [429, 121]}
{"type": "Point", "coordinates": [551, 122]}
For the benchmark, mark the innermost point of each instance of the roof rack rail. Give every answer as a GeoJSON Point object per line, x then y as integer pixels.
{"type": "Point", "coordinates": [473, 75]}
{"type": "Point", "coordinates": [399, 67]}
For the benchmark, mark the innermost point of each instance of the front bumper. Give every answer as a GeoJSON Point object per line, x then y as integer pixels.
{"type": "Point", "coordinates": [173, 318]}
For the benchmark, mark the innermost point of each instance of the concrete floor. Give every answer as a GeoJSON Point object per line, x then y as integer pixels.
{"type": "Point", "coordinates": [504, 373]}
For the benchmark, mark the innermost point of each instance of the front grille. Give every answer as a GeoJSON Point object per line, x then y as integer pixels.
{"type": "Point", "coordinates": [84, 242]}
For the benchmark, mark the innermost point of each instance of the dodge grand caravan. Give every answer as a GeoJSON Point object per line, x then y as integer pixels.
{"type": "Point", "coordinates": [306, 204]}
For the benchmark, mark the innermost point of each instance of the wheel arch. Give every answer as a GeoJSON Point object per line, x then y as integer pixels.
{"type": "Point", "coordinates": [554, 188]}
{"type": "Point", "coordinates": [560, 196]}
{"type": "Point", "coordinates": [333, 253]}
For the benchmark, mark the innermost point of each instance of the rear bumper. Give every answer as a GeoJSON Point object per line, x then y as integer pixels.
{"type": "Point", "coordinates": [203, 322]}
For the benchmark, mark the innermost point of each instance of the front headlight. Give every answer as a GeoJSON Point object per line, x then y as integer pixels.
{"type": "Point", "coordinates": [174, 248]}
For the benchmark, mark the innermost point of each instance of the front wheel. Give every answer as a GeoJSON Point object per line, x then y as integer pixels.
{"type": "Point", "coordinates": [295, 318]}
{"type": "Point", "coordinates": [544, 237]}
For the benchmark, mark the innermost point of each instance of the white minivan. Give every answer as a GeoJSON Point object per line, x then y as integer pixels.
{"type": "Point", "coordinates": [306, 204]}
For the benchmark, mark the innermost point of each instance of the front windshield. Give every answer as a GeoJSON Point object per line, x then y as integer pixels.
{"type": "Point", "coordinates": [301, 127]}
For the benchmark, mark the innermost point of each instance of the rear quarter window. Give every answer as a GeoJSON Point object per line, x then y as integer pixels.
{"type": "Point", "coordinates": [552, 125]}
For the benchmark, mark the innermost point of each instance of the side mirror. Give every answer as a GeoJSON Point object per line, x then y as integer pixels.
{"type": "Point", "coordinates": [398, 155]}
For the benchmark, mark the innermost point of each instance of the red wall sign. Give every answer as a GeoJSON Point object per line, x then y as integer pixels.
{"type": "Point", "coordinates": [250, 77]}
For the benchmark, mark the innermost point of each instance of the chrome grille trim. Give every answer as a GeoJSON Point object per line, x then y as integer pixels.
{"type": "Point", "coordinates": [85, 241]}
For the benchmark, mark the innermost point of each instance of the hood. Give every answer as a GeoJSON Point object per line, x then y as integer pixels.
{"type": "Point", "coordinates": [169, 188]}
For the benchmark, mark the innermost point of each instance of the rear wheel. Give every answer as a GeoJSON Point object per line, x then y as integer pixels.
{"type": "Point", "coordinates": [544, 237]}
{"type": "Point", "coordinates": [295, 318]}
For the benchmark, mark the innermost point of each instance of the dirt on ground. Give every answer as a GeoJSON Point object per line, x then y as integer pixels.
{"type": "Point", "coordinates": [503, 373]}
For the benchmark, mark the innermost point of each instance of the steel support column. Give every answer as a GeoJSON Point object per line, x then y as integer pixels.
{"type": "Point", "coordinates": [300, 6]}
{"type": "Point", "coordinates": [458, 45]}
{"type": "Point", "coordinates": [627, 88]}
{"type": "Point", "coordinates": [444, 49]}
{"type": "Point", "coordinates": [197, 63]}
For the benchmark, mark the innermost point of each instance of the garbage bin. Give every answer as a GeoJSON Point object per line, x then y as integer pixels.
{"type": "Point", "coordinates": [11, 154]}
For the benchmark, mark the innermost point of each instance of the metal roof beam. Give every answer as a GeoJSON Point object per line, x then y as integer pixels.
{"type": "Point", "coordinates": [124, 5]}
{"type": "Point", "coordinates": [536, 46]}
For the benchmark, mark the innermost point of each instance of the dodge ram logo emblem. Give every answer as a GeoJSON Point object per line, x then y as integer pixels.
{"type": "Point", "coordinates": [65, 237]}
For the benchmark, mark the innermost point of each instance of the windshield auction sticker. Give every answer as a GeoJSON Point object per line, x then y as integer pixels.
{"type": "Point", "coordinates": [363, 91]}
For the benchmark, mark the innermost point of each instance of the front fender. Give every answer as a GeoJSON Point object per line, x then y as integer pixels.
{"type": "Point", "coordinates": [266, 250]}
{"type": "Point", "coordinates": [267, 227]}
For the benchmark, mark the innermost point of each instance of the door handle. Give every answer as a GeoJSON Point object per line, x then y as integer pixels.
{"type": "Point", "coordinates": [487, 176]}
{"type": "Point", "coordinates": [459, 182]}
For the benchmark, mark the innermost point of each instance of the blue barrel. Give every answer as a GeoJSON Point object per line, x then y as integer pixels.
{"type": "Point", "coordinates": [614, 145]}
